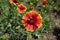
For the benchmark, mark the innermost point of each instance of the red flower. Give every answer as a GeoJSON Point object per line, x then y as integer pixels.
{"type": "Point", "coordinates": [21, 8]}
{"type": "Point", "coordinates": [13, 2]}
{"type": "Point", "coordinates": [45, 2]}
{"type": "Point", "coordinates": [32, 20]}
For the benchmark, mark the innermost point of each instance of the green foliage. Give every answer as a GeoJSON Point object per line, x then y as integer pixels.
{"type": "Point", "coordinates": [57, 7]}
{"type": "Point", "coordinates": [10, 20]}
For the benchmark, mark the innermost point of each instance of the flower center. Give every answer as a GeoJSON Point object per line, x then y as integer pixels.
{"type": "Point", "coordinates": [22, 8]}
{"type": "Point", "coordinates": [30, 20]}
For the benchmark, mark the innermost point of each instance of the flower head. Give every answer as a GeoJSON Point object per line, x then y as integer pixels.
{"type": "Point", "coordinates": [45, 2]}
{"type": "Point", "coordinates": [32, 20]}
{"type": "Point", "coordinates": [31, 7]}
{"type": "Point", "coordinates": [13, 2]}
{"type": "Point", "coordinates": [21, 8]}
{"type": "Point", "coordinates": [6, 35]}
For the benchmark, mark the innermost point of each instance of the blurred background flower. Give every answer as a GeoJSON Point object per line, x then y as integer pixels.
{"type": "Point", "coordinates": [14, 2]}
{"type": "Point", "coordinates": [6, 35]}
{"type": "Point", "coordinates": [45, 2]}
{"type": "Point", "coordinates": [21, 8]}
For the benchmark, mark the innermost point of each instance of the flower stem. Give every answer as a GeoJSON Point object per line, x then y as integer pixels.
{"type": "Point", "coordinates": [29, 36]}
